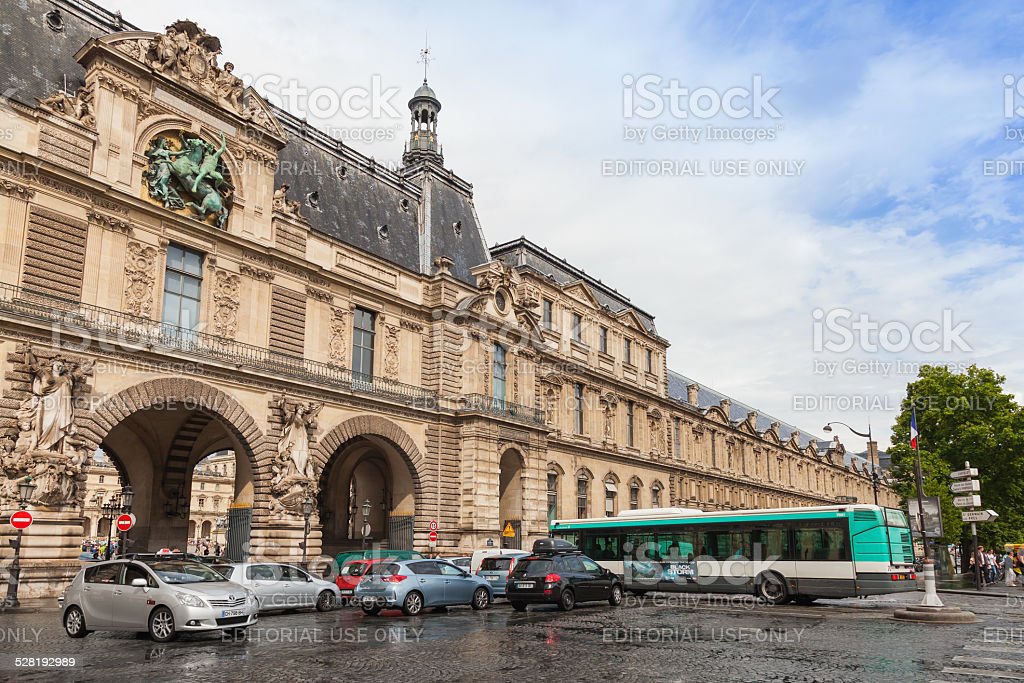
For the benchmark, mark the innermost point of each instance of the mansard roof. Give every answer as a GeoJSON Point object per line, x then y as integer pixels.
{"type": "Point", "coordinates": [708, 398]}
{"type": "Point", "coordinates": [524, 253]}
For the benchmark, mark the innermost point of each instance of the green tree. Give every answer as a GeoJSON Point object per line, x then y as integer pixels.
{"type": "Point", "coordinates": [964, 417]}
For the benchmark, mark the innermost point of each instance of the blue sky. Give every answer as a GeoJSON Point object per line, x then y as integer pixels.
{"type": "Point", "coordinates": [890, 109]}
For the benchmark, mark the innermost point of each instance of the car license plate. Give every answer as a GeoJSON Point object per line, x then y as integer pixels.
{"type": "Point", "coordinates": [231, 613]}
{"type": "Point", "coordinates": [346, 591]}
{"type": "Point", "coordinates": [494, 579]}
{"type": "Point", "coordinates": [525, 584]}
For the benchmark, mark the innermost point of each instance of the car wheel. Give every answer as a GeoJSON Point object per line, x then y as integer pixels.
{"type": "Point", "coordinates": [161, 625]}
{"type": "Point", "coordinates": [567, 601]}
{"type": "Point", "coordinates": [74, 623]}
{"type": "Point", "coordinates": [772, 589]}
{"type": "Point", "coordinates": [325, 601]}
{"type": "Point", "coordinates": [480, 599]}
{"type": "Point", "coordinates": [615, 599]}
{"type": "Point", "coordinates": [371, 610]}
{"type": "Point", "coordinates": [518, 606]}
{"type": "Point", "coordinates": [413, 604]}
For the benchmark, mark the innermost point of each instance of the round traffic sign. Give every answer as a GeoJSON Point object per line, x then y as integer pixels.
{"type": "Point", "coordinates": [125, 522]}
{"type": "Point", "coordinates": [22, 519]}
{"type": "Point", "coordinates": [433, 537]}
{"type": "Point", "coordinates": [433, 525]}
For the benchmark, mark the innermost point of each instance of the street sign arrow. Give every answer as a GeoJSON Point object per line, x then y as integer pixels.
{"type": "Point", "coordinates": [969, 486]}
{"type": "Point", "coordinates": [978, 515]}
{"type": "Point", "coordinates": [967, 501]}
{"type": "Point", "coordinates": [963, 474]}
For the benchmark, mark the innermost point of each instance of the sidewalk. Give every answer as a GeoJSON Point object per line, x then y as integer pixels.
{"type": "Point", "coordinates": [963, 584]}
{"type": "Point", "coordinates": [29, 605]}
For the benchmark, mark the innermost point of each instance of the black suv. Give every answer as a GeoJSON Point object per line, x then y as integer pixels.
{"type": "Point", "coordinates": [558, 573]}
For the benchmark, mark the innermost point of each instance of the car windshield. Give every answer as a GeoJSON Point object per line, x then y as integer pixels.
{"type": "Point", "coordinates": [383, 569]}
{"type": "Point", "coordinates": [533, 568]}
{"type": "Point", "coordinates": [224, 569]}
{"type": "Point", "coordinates": [494, 564]}
{"type": "Point", "coordinates": [354, 569]}
{"type": "Point", "coordinates": [171, 571]}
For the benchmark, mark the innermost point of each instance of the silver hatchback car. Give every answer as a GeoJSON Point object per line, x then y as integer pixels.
{"type": "Point", "coordinates": [282, 586]}
{"type": "Point", "coordinates": [161, 597]}
{"type": "Point", "coordinates": [415, 584]}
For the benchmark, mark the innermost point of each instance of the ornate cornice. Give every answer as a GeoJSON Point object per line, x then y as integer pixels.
{"type": "Point", "coordinates": [109, 222]}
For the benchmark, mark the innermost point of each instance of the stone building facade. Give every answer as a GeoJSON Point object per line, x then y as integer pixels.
{"type": "Point", "coordinates": [186, 270]}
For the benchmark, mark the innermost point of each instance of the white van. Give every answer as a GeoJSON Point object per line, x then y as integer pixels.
{"type": "Point", "coordinates": [479, 555]}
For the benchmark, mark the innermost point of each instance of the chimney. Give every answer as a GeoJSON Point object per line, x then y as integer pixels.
{"type": "Point", "coordinates": [691, 393]}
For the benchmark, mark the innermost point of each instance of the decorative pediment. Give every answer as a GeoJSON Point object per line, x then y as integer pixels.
{"type": "Point", "coordinates": [794, 441]}
{"type": "Point", "coordinates": [580, 291]}
{"type": "Point", "coordinates": [187, 55]}
{"type": "Point", "coordinates": [629, 318]}
{"type": "Point", "coordinates": [772, 433]}
{"type": "Point", "coordinates": [749, 425]}
{"type": "Point", "coordinates": [716, 414]}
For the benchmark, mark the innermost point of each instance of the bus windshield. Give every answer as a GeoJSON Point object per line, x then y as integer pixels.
{"type": "Point", "coordinates": [895, 518]}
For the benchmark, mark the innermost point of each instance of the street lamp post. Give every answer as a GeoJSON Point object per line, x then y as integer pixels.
{"type": "Point", "coordinates": [127, 498]}
{"type": "Point", "coordinates": [25, 490]}
{"type": "Point", "coordinates": [108, 514]}
{"type": "Point", "coordinates": [307, 511]}
{"type": "Point", "coordinates": [872, 453]}
{"type": "Point", "coordinates": [366, 521]}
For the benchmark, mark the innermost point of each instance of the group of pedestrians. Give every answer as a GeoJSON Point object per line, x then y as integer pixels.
{"type": "Point", "coordinates": [202, 546]}
{"type": "Point", "coordinates": [1009, 567]}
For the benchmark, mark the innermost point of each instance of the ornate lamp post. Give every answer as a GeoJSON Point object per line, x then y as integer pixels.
{"type": "Point", "coordinates": [127, 498]}
{"type": "Point", "coordinates": [109, 509]}
{"type": "Point", "coordinates": [25, 490]}
{"type": "Point", "coordinates": [307, 511]}
{"type": "Point", "coordinates": [872, 453]}
{"type": "Point", "coordinates": [366, 521]}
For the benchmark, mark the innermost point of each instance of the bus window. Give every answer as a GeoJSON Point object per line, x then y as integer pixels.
{"type": "Point", "coordinates": [676, 546]}
{"type": "Point", "coordinates": [895, 518]}
{"type": "Point", "coordinates": [821, 544]}
{"type": "Point", "coordinates": [770, 543]}
{"type": "Point", "coordinates": [727, 545]}
{"type": "Point", "coordinates": [602, 546]}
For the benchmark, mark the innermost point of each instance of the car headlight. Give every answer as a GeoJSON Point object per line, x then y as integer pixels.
{"type": "Point", "coordinates": [190, 600]}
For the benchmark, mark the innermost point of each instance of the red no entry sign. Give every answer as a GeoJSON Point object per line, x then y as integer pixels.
{"type": "Point", "coordinates": [125, 522]}
{"type": "Point", "coordinates": [22, 519]}
{"type": "Point", "coordinates": [433, 537]}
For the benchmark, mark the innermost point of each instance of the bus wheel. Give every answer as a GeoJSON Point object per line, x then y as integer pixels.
{"type": "Point", "coordinates": [772, 589]}
{"type": "Point", "coordinates": [804, 599]}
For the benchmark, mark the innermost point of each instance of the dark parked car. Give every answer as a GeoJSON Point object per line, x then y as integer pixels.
{"type": "Point", "coordinates": [558, 573]}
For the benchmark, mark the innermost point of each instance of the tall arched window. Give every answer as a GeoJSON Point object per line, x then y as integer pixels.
{"type": "Point", "coordinates": [656, 495]}
{"type": "Point", "coordinates": [634, 494]}
{"type": "Point", "coordinates": [611, 491]}
{"type": "Point", "coordinates": [552, 495]}
{"type": "Point", "coordinates": [582, 495]}
{"type": "Point", "coordinates": [498, 373]}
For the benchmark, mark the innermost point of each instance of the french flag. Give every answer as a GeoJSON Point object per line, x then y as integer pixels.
{"type": "Point", "coordinates": [913, 429]}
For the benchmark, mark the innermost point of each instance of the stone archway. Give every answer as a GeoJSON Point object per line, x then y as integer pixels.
{"type": "Point", "coordinates": [154, 432]}
{"type": "Point", "coordinates": [369, 475]}
{"type": "Point", "coordinates": [510, 497]}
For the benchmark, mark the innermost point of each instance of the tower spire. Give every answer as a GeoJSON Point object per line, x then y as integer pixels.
{"type": "Point", "coordinates": [423, 109]}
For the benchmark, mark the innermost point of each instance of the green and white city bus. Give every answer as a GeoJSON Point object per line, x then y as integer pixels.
{"type": "Point", "coordinates": [781, 554]}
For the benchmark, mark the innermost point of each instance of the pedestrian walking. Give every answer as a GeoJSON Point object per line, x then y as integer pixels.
{"type": "Point", "coordinates": [1009, 577]}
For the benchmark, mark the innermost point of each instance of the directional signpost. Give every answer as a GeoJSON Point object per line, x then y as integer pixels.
{"type": "Point", "coordinates": [972, 486]}
{"type": "Point", "coordinates": [969, 486]}
{"type": "Point", "coordinates": [979, 515]}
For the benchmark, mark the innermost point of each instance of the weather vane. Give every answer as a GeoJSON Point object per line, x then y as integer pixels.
{"type": "Point", "coordinates": [425, 56]}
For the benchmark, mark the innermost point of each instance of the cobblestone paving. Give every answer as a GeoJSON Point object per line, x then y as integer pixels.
{"type": "Point", "coordinates": [656, 638]}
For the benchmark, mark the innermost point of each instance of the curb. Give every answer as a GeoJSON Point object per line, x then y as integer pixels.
{"type": "Point", "coordinates": [982, 594]}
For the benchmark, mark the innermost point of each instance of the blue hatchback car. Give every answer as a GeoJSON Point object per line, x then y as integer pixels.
{"type": "Point", "coordinates": [414, 584]}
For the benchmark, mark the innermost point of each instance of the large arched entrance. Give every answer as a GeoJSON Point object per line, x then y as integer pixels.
{"type": "Point", "coordinates": [167, 428]}
{"type": "Point", "coordinates": [368, 491]}
{"type": "Point", "coordinates": [510, 498]}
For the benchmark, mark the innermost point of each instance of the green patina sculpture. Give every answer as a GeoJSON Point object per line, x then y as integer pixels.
{"type": "Point", "coordinates": [194, 173]}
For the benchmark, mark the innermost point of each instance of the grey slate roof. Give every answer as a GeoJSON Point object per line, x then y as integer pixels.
{"type": "Point", "coordinates": [523, 252]}
{"type": "Point", "coordinates": [35, 59]}
{"type": "Point", "coordinates": [707, 397]}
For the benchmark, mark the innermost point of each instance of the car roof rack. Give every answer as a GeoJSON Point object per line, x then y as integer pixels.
{"type": "Point", "coordinates": [550, 546]}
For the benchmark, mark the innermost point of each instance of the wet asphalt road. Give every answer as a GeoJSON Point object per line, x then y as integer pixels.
{"type": "Point", "coordinates": [659, 638]}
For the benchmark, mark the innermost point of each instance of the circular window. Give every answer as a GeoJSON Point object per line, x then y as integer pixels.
{"type": "Point", "coordinates": [55, 20]}
{"type": "Point", "coordinates": [500, 301]}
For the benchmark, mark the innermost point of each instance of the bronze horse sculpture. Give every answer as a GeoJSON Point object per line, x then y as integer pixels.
{"type": "Point", "coordinates": [195, 169]}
